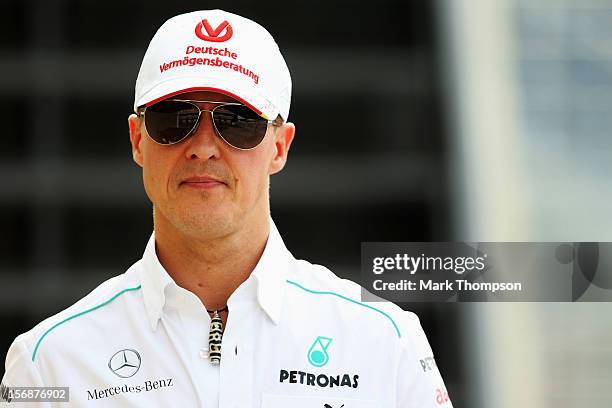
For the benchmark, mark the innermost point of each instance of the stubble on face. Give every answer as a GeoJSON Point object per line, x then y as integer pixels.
{"type": "Point", "coordinates": [201, 213]}
{"type": "Point", "coordinates": [208, 214]}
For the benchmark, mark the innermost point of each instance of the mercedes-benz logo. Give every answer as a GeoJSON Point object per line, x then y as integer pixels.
{"type": "Point", "coordinates": [125, 363]}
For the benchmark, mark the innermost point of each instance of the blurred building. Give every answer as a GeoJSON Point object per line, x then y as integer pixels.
{"type": "Point", "coordinates": [529, 89]}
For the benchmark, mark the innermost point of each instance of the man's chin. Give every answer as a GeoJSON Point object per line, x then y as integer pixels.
{"type": "Point", "coordinates": [207, 226]}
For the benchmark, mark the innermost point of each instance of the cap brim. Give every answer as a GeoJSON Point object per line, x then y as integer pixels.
{"type": "Point", "coordinates": [190, 84]}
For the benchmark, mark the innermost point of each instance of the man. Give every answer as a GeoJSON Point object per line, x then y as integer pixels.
{"type": "Point", "coordinates": [218, 312]}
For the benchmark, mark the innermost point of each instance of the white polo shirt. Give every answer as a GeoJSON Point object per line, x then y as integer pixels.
{"type": "Point", "coordinates": [296, 336]}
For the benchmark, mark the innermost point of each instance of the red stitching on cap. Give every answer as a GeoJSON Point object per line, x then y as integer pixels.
{"type": "Point", "coordinates": [205, 88]}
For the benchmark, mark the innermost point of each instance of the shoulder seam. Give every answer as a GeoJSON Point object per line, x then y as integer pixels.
{"type": "Point", "coordinates": [317, 292]}
{"type": "Point", "coordinates": [80, 314]}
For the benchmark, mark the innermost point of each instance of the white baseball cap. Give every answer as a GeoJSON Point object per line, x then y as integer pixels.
{"type": "Point", "coordinates": [213, 50]}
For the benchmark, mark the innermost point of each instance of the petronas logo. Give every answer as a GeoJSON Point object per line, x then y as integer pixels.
{"type": "Point", "coordinates": [317, 354]}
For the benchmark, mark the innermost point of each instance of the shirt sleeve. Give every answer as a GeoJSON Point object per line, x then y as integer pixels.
{"type": "Point", "coordinates": [419, 382]}
{"type": "Point", "coordinates": [20, 371]}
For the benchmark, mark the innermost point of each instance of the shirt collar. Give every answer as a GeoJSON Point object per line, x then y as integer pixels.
{"type": "Point", "coordinates": [269, 275]}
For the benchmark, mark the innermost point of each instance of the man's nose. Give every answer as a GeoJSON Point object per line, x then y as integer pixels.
{"type": "Point", "coordinates": [204, 141]}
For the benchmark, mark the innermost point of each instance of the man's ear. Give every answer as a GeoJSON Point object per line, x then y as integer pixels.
{"type": "Point", "coordinates": [135, 138]}
{"type": "Point", "coordinates": [283, 136]}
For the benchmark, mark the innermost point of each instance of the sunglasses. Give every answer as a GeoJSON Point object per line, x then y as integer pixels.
{"type": "Point", "coordinates": [172, 120]}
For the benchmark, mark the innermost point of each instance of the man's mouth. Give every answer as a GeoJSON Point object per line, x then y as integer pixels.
{"type": "Point", "coordinates": [202, 182]}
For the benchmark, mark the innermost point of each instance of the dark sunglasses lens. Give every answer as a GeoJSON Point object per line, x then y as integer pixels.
{"type": "Point", "coordinates": [240, 126]}
{"type": "Point", "coordinates": [169, 122]}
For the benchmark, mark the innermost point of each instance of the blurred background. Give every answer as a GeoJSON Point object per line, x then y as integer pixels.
{"type": "Point", "coordinates": [417, 120]}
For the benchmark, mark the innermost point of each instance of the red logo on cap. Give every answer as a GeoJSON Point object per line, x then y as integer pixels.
{"type": "Point", "coordinates": [213, 35]}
